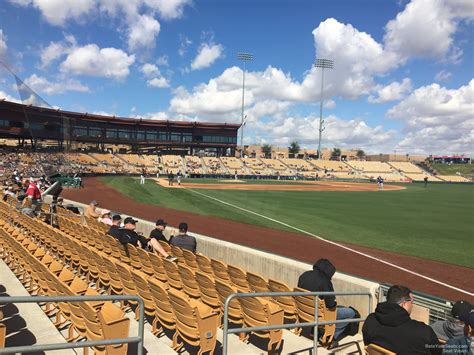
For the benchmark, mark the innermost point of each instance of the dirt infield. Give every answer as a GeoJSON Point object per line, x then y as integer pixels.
{"type": "Point", "coordinates": [293, 245]}
{"type": "Point", "coordinates": [308, 186]}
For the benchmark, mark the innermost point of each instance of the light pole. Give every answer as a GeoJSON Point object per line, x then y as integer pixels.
{"type": "Point", "coordinates": [323, 64]}
{"type": "Point", "coordinates": [244, 57]}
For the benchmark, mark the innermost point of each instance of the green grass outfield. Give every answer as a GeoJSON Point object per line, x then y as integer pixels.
{"type": "Point", "coordinates": [433, 223]}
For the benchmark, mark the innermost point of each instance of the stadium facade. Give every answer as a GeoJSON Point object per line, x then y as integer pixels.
{"type": "Point", "coordinates": [33, 123]}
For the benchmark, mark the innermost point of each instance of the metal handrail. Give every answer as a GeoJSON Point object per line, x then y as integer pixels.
{"type": "Point", "coordinates": [45, 347]}
{"type": "Point", "coordinates": [315, 324]}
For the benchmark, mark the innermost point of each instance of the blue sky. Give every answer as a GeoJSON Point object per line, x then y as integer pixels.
{"type": "Point", "coordinates": [402, 78]}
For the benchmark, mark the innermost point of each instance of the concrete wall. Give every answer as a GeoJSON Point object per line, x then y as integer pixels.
{"type": "Point", "coordinates": [269, 265]}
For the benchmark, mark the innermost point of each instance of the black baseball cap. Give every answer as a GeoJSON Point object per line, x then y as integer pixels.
{"type": "Point", "coordinates": [130, 220]}
{"type": "Point", "coordinates": [183, 226]}
{"type": "Point", "coordinates": [461, 308]}
{"type": "Point", "coordinates": [161, 222]}
{"type": "Point", "coordinates": [116, 217]}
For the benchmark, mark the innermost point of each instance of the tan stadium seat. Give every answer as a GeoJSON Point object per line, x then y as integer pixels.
{"type": "Point", "coordinates": [238, 278]}
{"type": "Point", "coordinates": [174, 278]}
{"type": "Point", "coordinates": [208, 291]}
{"type": "Point", "coordinates": [234, 310]}
{"type": "Point", "coordinates": [139, 278]}
{"type": "Point", "coordinates": [165, 246]}
{"type": "Point", "coordinates": [259, 312]}
{"type": "Point", "coordinates": [220, 270]}
{"type": "Point", "coordinates": [3, 333]}
{"type": "Point", "coordinates": [373, 349]}
{"type": "Point", "coordinates": [190, 286]}
{"type": "Point", "coordinates": [196, 323]}
{"type": "Point", "coordinates": [204, 264]}
{"type": "Point", "coordinates": [129, 287]}
{"type": "Point", "coordinates": [286, 302]}
{"type": "Point", "coordinates": [159, 270]}
{"type": "Point", "coordinates": [164, 316]}
{"type": "Point", "coordinates": [257, 283]}
{"type": "Point", "coordinates": [305, 312]}
{"type": "Point", "coordinates": [147, 267]}
{"type": "Point", "coordinates": [132, 253]}
{"type": "Point", "coordinates": [190, 259]}
{"type": "Point", "coordinates": [115, 280]}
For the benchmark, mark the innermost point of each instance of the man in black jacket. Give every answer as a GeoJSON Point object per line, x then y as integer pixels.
{"type": "Point", "coordinates": [391, 327]}
{"type": "Point", "coordinates": [157, 233]}
{"type": "Point", "coordinates": [114, 229]}
{"type": "Point", "coordinates": [319, 280]}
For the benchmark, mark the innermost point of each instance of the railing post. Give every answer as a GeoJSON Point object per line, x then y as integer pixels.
{"type": "Point", "coordinates": [226, 325]}
{"type": "Point", "coordinates": [141, 325]}
{"type": "Point", "coordinates": [315, 332]}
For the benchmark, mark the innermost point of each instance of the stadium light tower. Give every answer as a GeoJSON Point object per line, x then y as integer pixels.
{"type": "Point", "coordinates": [323, 64]}
{"type": "Point", "coordinates": [244, 57]}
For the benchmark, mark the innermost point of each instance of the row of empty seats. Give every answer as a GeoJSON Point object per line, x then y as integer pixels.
{"type": "Point", "coordinates": [197, 287]}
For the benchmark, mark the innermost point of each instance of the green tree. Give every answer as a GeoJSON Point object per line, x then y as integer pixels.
{"type": "Point", "coordinates": [294, 148]}
{"type": "Point", "coordinates": [360, 154]}
{"type": "Point", "coordinates": [267, 150]}
{"type": "Point", "coordinates": [336, 153]}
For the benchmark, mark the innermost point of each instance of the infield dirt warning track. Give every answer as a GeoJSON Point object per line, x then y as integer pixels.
{"type": "Point", "coordinates": [283, 186]}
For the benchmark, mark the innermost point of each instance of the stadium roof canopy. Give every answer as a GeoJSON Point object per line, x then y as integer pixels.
{"type": "Point", "coordinates": [39, 123]}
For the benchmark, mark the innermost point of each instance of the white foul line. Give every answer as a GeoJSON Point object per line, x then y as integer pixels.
{"type": "Point", "coordinates": [335, 243]}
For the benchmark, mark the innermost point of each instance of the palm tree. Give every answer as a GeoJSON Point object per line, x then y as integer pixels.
{"type": "Point", "coordinates": [294, 149]}
{"type": "Point", "coordinates": [267, 150]}
{"type": "Point", "coordinates": [360, 154]}
{"type": "Point", "coordinates": [335, 154]}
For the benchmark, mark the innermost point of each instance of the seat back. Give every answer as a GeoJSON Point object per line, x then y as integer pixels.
{"type": "Point", "coordinates": [190, 286]}
{"type": "Point", "coordinates": [208, 291]}
{"type": "Point", "coordinates": [147, 268]}
{"type": "Point", "coordinates": [305, 312]}
{"type": "Point", "coordinates": [286, 302]}
{"type": "Point", "coordinates": [257, 283]}
{"type": "Point", "coordinates": [190, 259]}
{"type": "Point", "coordinates": [196, 323]}
{"type": "Point", "coordinates": [174, 278]}
{"type": "Point", "coordinates": [164, 311]}
{"type": "Point", "coordinates": [235, 310]}
{"type": "Point", "coordinates": [238, 278]}
{"type": "Point", "coordinates": [204, 264]}
{"type": "Point", "coordinates": [373, 349]}
{"type": "Point", "coordinates": [220, 270]}
{"type": "Point", "coordinates": [133, 255]}
{"type": "Point", "coordinates": [158, 268]}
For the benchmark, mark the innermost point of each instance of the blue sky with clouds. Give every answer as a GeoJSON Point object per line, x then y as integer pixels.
{"type": "Point", "coordinates": [402, 78]}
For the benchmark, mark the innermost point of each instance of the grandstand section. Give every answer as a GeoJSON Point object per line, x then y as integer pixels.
{"type": "Point", "coordinates": [406, 167]}
{"type": "Point", "coordinates": [214, 166]}
{"type": "Point", "coordinates": [370, 166]}
{"type": "Point", "coordinates": [331, 165]}
{"type": "Point", "coordinates": [194, 165]}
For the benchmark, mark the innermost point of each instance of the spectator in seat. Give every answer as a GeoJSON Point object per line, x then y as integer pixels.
{"type": "Point", "coordinates": [157, 233]}
{"type": "Point", "coordinates": [463, 345]}
{"type": "Point", "coordinates": [319, 280]}
{"type": "Point", "coordinates": [91, 210]}
{"type": "Point", "coordinates": [33, 194]}
{"type": "Point", "coordinates": [105, 217]}
{"type": "Point", "coordinates": [114, 229]}
{"type": "Point", "coordinates": [391, 327]}
{"type": "Point", "coordinates": [127, 235]}
{"type": "Point", "coordinates": [452, 328]}
{"type": "Point", "coordinates": [183, 240]}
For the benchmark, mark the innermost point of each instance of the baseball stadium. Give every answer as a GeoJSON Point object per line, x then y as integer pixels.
{"type": "Point", "coordinates": [259, 221]}
{"type": "Point", "coordinates": [122, 234]}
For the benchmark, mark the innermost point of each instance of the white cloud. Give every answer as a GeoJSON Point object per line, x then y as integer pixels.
{"type": "Point", "coordinates": [149, 69]}
{"type": "Point", "coordinates": [393, 91]}
{"type": "Point", "coordinates": [437, 119]}
{"type": "Point", "coordinates": [161, 115]}
{"type": "Point", "coordinates": [162, 60]}
{"type": "Point", "coordinates": [142, 33]}
{"type": "Point", "coordinates": [168, 9]}
{"type": "Point", "coordinates": [94, 61]}
{"type": "Point", "coordinates": [3, 44]}
{"type": "Point", "coordinates": [338, 133]}
{"type": "Point", "coordinates": [155, 79]}
{"type": "Point", "coordinates": [43, 85]}
{"type": "Point", "coordinates": [57, 12]}
{"type": "Point", "coordinates": [7, 97]}
{"type": "Point", "coordinates": [51, 53]}
{"type": "Point", "coordinates": [442, 75]}
{"type": "Point", "coordinates": [207, 55]}
{"type": "Point", "coordinates": [184, 43]}
{"type": "Point", "coordinates": [160, 82]}
{"type": "Point", "coordinates": [425, 28]}
{"type": "Point", "coordinates": [329, 104]}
